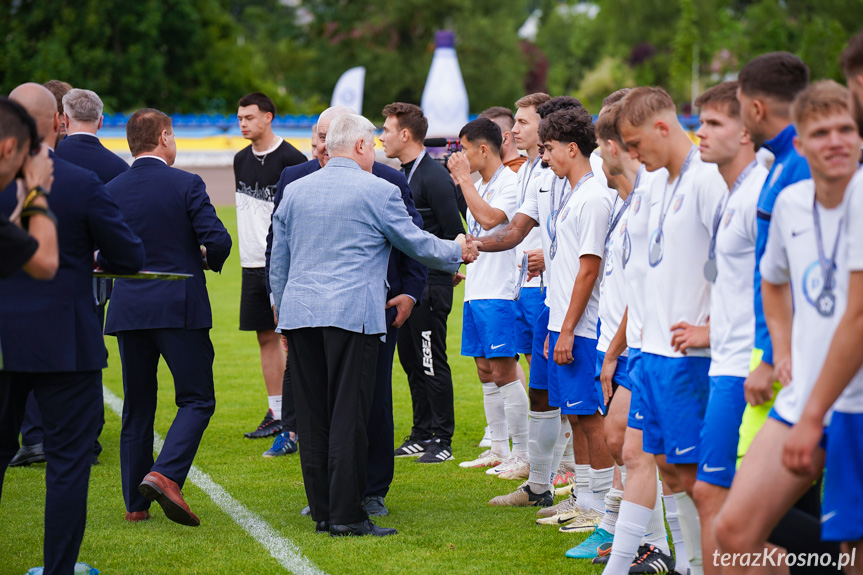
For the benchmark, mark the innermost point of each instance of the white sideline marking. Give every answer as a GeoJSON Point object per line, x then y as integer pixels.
{"type": "Point", "coordinates": [281, 548]}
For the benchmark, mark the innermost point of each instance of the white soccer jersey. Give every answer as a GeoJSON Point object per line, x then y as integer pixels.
{"type": "Point", "coordinates": [635, 224]}
{"type": "Point", "coordinates": [675, 288]}
{"type": "Point", "coordinates": [851, 400]}
{"type": "Point", "coordinates": [791, 255]}
{"type": "Point", "coordinates": [493, 275]}
{"type": "Point", "coordinates": [732, 315]}
{"type": "Point", "coordinates": [528, 173]}
{"type": "Point", "coordinates": [537, 205]}
{"type": "Point", "coordinates": [581, 228]}
{"type": "Point", "coordinates": [612, 289]}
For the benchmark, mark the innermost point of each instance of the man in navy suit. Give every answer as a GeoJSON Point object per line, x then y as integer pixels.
{"type": "Point", "coordinates": [52, 340]}
{"type": "Point", "coordinates": [82, 110]}
{"type": "Point", "coordinates": [406, 278]}
{"type": "Point", "coordinates": [172, 213]}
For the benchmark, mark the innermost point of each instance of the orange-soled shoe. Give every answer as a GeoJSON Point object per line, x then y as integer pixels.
{"type": "Point", "coordinates": [135, 516]}
{"type": "Point", "coordinates": [156, 487]}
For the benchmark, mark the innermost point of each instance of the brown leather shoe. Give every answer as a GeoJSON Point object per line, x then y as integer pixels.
{"type": "Point", "coordinates": [156, 487]}
{"type": "Point", "coordinates": [135, 516]}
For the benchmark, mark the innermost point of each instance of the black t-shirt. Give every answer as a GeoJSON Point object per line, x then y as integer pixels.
{"type": "Point", "coordinates": [255, 178]}
{"type": "Point", "coordinates": [435, 198]}
{"type": "Point", "coordinates": [16, 247]}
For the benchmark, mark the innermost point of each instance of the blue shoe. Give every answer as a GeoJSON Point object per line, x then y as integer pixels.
{"type": "Point", "coordinates": [592, 546]}
{"type": "Point", "coordinates": [80, 569]}
{"type": "Point", "coordinates": [282, 445]}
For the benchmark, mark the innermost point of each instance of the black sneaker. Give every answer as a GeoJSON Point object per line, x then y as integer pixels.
{"type": "Point", "coordinates": [412, 447]}
{"type": "Point", "coordinates": [268, 427]}
{"type": "Point", "coordinates": [651, 559]}
{"type": "Point", "coordinates": [436, 452]}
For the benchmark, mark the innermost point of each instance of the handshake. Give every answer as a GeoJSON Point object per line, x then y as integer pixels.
{"type": "Point", "coordinates": [469, 248]}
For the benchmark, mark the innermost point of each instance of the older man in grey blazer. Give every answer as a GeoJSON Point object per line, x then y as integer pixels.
{"type": "Point", "coordinates": [332, 235]}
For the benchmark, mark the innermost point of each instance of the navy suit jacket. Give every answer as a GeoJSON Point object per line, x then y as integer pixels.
{"type": "Point", "coordinates": [88, 152]}
{"type": "Point", "coordinates": [53, 326]}
{"type": "Point", "coordinates": [171, 212]}
{"type": "Point", "coordinates": [404, 275]}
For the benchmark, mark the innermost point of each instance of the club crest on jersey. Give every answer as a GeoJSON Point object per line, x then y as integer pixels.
{"type": "Point", "coordinates": [563, 215]}
{"type": "Point", "coordinates": [609, 259]}
{"type": "Point", "coordinates": [678, 201]}
{"type": "Point", "coordinates": [622, 229]}
{"type": "Point", "coordinates": [813, 283]}
{"type": "Point", "coordinates": [636, 203]}
{"type": "Point", "coordinates": [728, 215]}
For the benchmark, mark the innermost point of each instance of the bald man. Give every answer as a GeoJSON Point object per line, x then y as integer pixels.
{"type": "Point", "coordinates": [52, 338]}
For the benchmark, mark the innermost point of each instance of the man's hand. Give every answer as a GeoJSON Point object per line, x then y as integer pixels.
{"type": "Point", "coordinates": [800, 446]}
{"type": "Point", "coordinates": [469, 253]}
{"type": "Point", "coordinates": [535, 263]}
{"type": "Point", "coordinates": [758, 387]}
{"type": "Point", "coordinates": [457, 278]}
{"type": "Point", "coordinates": [473, 240]}
{"type": "Point", "coordinates": [606, 375]}
{"type": "Point", "coordinates": [284, 343]}
{"type": "Point", "coordinates": [563, 348]}
{"type": "Point", "coordinates": [459, 167]}
{"type": "Point", "coordinates": [38, 170]}
{"type": "Point", "coordinates": [545, 347]}
{"type": "Point", "coordinates": [404, 306]}
{"type": "Point", "coordinates": [204, 257]}
{"type": "Point", "coordinates": [782, 371]}
{"type": "Point", "coordinates": [687, 336]}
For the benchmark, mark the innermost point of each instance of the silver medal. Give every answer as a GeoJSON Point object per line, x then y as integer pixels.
{"type": "Point", "coordinates": [826, 303]}
{"type": "Point", "coordinates": [656, 251]}
{"type": "Point", "coordinates": [710, 270]}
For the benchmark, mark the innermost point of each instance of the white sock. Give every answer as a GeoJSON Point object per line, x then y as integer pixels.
{"type": "Point", "coordinates": [516, 406]}
{"type": "Point", "coordinates": [583, 494]}
{"type": "Point", "coordinates": [495, 416]}
{"type": "Point", "coordinates": [655, 533]}
{"type": "Point", "coordinates": [627, 536]}
{"type": "Point", "coordinates": [543, 432]}
{"type": "Point", "coordinates": [568, 453]}
{"type": "Point", "coordinates": [600, 482]}
{"type": "Point", "coordinates": [612, 509]}
{"type": "Point", "coordinates": [275, 402]}
{"type": "Point", "coordinates": [690, 525]}
{"type": "Point", "coordinates": [681, 556]}
{"type": "Point", "coordinates": [622, 474]}
{"type": "Point", "coordinates": [564, 439]}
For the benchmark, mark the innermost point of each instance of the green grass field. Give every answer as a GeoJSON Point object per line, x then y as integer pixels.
{"type": "Point", "coordinates": [441, 511]}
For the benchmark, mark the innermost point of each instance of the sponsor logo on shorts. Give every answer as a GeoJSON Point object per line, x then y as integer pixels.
{"type": "Point", "coordinates": [679, 451]}
{"type": "Point", "coordinates": [428, 360]}
{"type": "Point", "coordinates": [498, 346]}
{"type": "Point", "coordinates": [828, 516]}
{"type": "Point", "coordinates": [712, 469]}
{"type": "Point", "coordinates": [568, 404]}
{"type": "Point", "coordinates": [638, 416]}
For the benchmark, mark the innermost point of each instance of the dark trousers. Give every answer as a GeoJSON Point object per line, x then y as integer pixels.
{"type": "Point", "coordinates": [333, 376]}
{"type": "Point", "coordinates": [380, 428]}
{"type": "Point", "coordinates": [71, 406]}
{"type": "Point", "coordinates": [189, 355]}
{"type": "Point", "coordinates": [422, 352]}
{"type": "Point", "coordinates": [33, 434]}
{"type": "Point", "coordinates": [289, 410]}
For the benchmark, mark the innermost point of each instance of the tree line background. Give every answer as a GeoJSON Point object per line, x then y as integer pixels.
{"type": "Point", "coordinates": [200, 56]}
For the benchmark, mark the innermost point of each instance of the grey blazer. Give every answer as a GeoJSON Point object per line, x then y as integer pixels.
{"type": "Point", "coordinates": [332, 235]}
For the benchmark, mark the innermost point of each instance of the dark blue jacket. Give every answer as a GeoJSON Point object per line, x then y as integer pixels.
{"type": "Point", "coordinates": [404, 275]}
{"type": "Point", "coordinates": [52, 326]}
{"type": "Point", "coordinates": [88, 152]}
{"type": "Point", "coordinates": [171, 212]}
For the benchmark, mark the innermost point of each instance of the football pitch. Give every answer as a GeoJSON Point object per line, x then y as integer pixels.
{"type": "Point", "coordinates": [441, 511]}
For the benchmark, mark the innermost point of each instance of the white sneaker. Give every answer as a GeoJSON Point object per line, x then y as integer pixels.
{"type": "Point", "coordinates": [567, 489]}
{"type": "Point", "coordinates": [486, 459]}
{"type": "Point", "coordinates": [584, 522]}
{"type": "Point", "coordinates": [514, 467]}
{"type": "Point", "coordinates": [564, 506]}
{"type": "Point", "coordinates": [486, 438]}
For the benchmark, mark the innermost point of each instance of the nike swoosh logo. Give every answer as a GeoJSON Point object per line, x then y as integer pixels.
{"type": "Point", "coordinates": [679, 451]}
{"type": "Point", "coordinates": [828, 516]}
{"type": "Point", "coordinates": [712, 469]}
{"type": "Point", "coordinates": [498, 346]}
{"type": "Point", "coordinates": [638, 416]}
{"type": "Point", "coordinates": [541, 191]}
{"type": "Point", "coordinates": [568, 404]}
{"type": "Point", "coordinates": [795, 233]}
